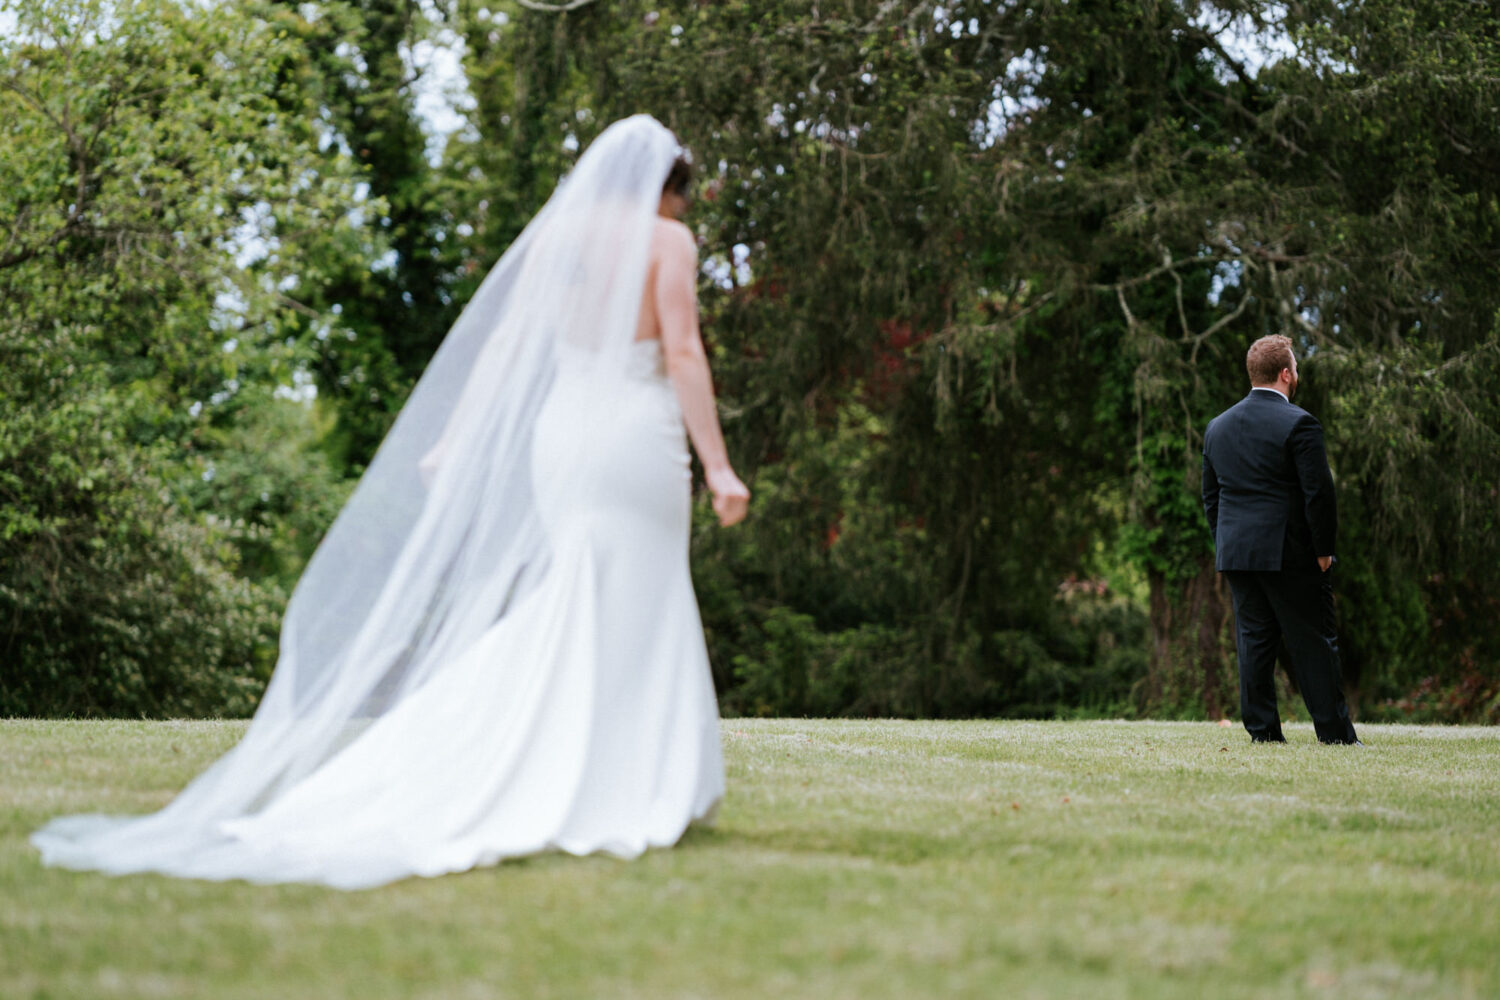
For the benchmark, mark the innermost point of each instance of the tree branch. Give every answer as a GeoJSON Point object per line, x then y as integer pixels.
{"type": "Point", "coordinates": [80, 162]}
{"type": "Point", "coordinates": [554, 8]}
{"type": "Point", "coordinates": [1221, 324]}
{"type": "Point", "coordinates": [1212, 43]}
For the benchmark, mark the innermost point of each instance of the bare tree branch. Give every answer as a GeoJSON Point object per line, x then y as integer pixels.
{"type": "Point", "coordinates": [554, 8]}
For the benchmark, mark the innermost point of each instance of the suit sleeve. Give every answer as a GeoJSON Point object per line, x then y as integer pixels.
{"type": "Point", "coordinates": [1210, 496]}
{"type": "Point", "coordinates": [1317, 484]}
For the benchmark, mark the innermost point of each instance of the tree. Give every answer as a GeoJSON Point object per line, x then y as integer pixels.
{"type": "Point", "coordinates": [374, 325]}
{"type": "Point", "coordinates": [912, 528]}
{"type": "Point", "coordinates": [1334, 196]}
{"type": "Point", "coordinates": [999, 265]}
{"type": "Point", "coordinates": [145, 149]}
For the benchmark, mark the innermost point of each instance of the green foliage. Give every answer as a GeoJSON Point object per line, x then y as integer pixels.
{"type": "Point", "coordinates": [145, 148]}
{"type": "Point", "coordinates": [117, 603]}
{"type": "Point", "coordinates": [378, 310]}
{"type": "Point", "coordinates": [976, 276]}
{"type": "Point", "coordinates": [997, 269]}
{"type": "Point", "coordinates": [880, 563]}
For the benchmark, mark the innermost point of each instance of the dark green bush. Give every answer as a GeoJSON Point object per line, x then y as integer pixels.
{"type": "Point", "coordinates": [116, 600]}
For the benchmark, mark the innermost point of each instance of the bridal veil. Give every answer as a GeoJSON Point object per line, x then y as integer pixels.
{"type": "Point", "coordinates": [441, 538]}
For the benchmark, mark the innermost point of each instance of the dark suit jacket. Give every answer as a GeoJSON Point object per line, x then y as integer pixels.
{"type": "Point", "coordinates": [1267, 490]}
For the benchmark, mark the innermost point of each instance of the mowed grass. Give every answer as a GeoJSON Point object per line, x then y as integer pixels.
{"type": "Point", "coordinates": [851, 859]}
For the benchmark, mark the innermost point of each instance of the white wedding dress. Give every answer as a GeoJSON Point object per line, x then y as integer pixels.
{"type": "Point", "coordinates": [614, 683]}
{"type": "Point", "coordinates": [508, 658]}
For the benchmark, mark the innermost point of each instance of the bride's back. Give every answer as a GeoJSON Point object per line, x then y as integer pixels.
{"type": "Point", "coordinates": [665, 232]}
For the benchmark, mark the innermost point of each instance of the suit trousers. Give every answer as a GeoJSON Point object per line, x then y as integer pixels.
{"type": "Point", "coordinates": [1297, 607]}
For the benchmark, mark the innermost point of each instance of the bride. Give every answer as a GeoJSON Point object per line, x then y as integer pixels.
{"type": "Point", "coordinates": [495, 650]}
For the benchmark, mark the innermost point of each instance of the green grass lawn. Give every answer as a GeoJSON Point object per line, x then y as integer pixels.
{"type": "Point", "coordinates": [851, 859]}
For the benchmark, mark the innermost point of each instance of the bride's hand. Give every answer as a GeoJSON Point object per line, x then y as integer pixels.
{"type": "Point", "coordinates": [731, 497]}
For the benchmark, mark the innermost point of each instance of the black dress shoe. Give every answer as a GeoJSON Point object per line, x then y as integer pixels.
{"type": "Point", "coordinates": [1268, 739]}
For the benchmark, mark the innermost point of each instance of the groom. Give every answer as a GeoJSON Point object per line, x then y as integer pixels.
{"type": "Point", "coordinates": [1269, 499]}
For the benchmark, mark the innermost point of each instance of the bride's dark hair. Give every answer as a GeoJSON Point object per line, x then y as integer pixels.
{"type": "Point", "coordinates": [679, 178]}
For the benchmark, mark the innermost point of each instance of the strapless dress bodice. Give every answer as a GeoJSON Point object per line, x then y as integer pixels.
{"type": "Point", "coordinates": [644, 361]}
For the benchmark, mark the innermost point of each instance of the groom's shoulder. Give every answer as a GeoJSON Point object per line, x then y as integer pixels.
{"type": "Point", "coordinates": [1299, 415]}
{"type": "Point", "coordinates": [1231, 412]}
{"type": "Point", "coordinates": [1305, 422]}
{"type": "Point", "coordinates": [1276, 407]}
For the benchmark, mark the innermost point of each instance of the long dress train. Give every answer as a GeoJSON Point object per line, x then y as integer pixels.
{"type": "Point", "coordinates": [602, 732]}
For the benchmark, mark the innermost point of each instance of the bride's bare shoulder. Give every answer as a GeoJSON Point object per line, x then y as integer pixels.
{"type": "Point", "coordinates": [670, 238]}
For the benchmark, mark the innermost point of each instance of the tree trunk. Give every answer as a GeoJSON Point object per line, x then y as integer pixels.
{"type": "Point", "coordinates": [1191, 671]}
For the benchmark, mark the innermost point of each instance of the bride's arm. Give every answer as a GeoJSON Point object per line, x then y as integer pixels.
{"type": "Point", "coordinates": [675, 289]}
